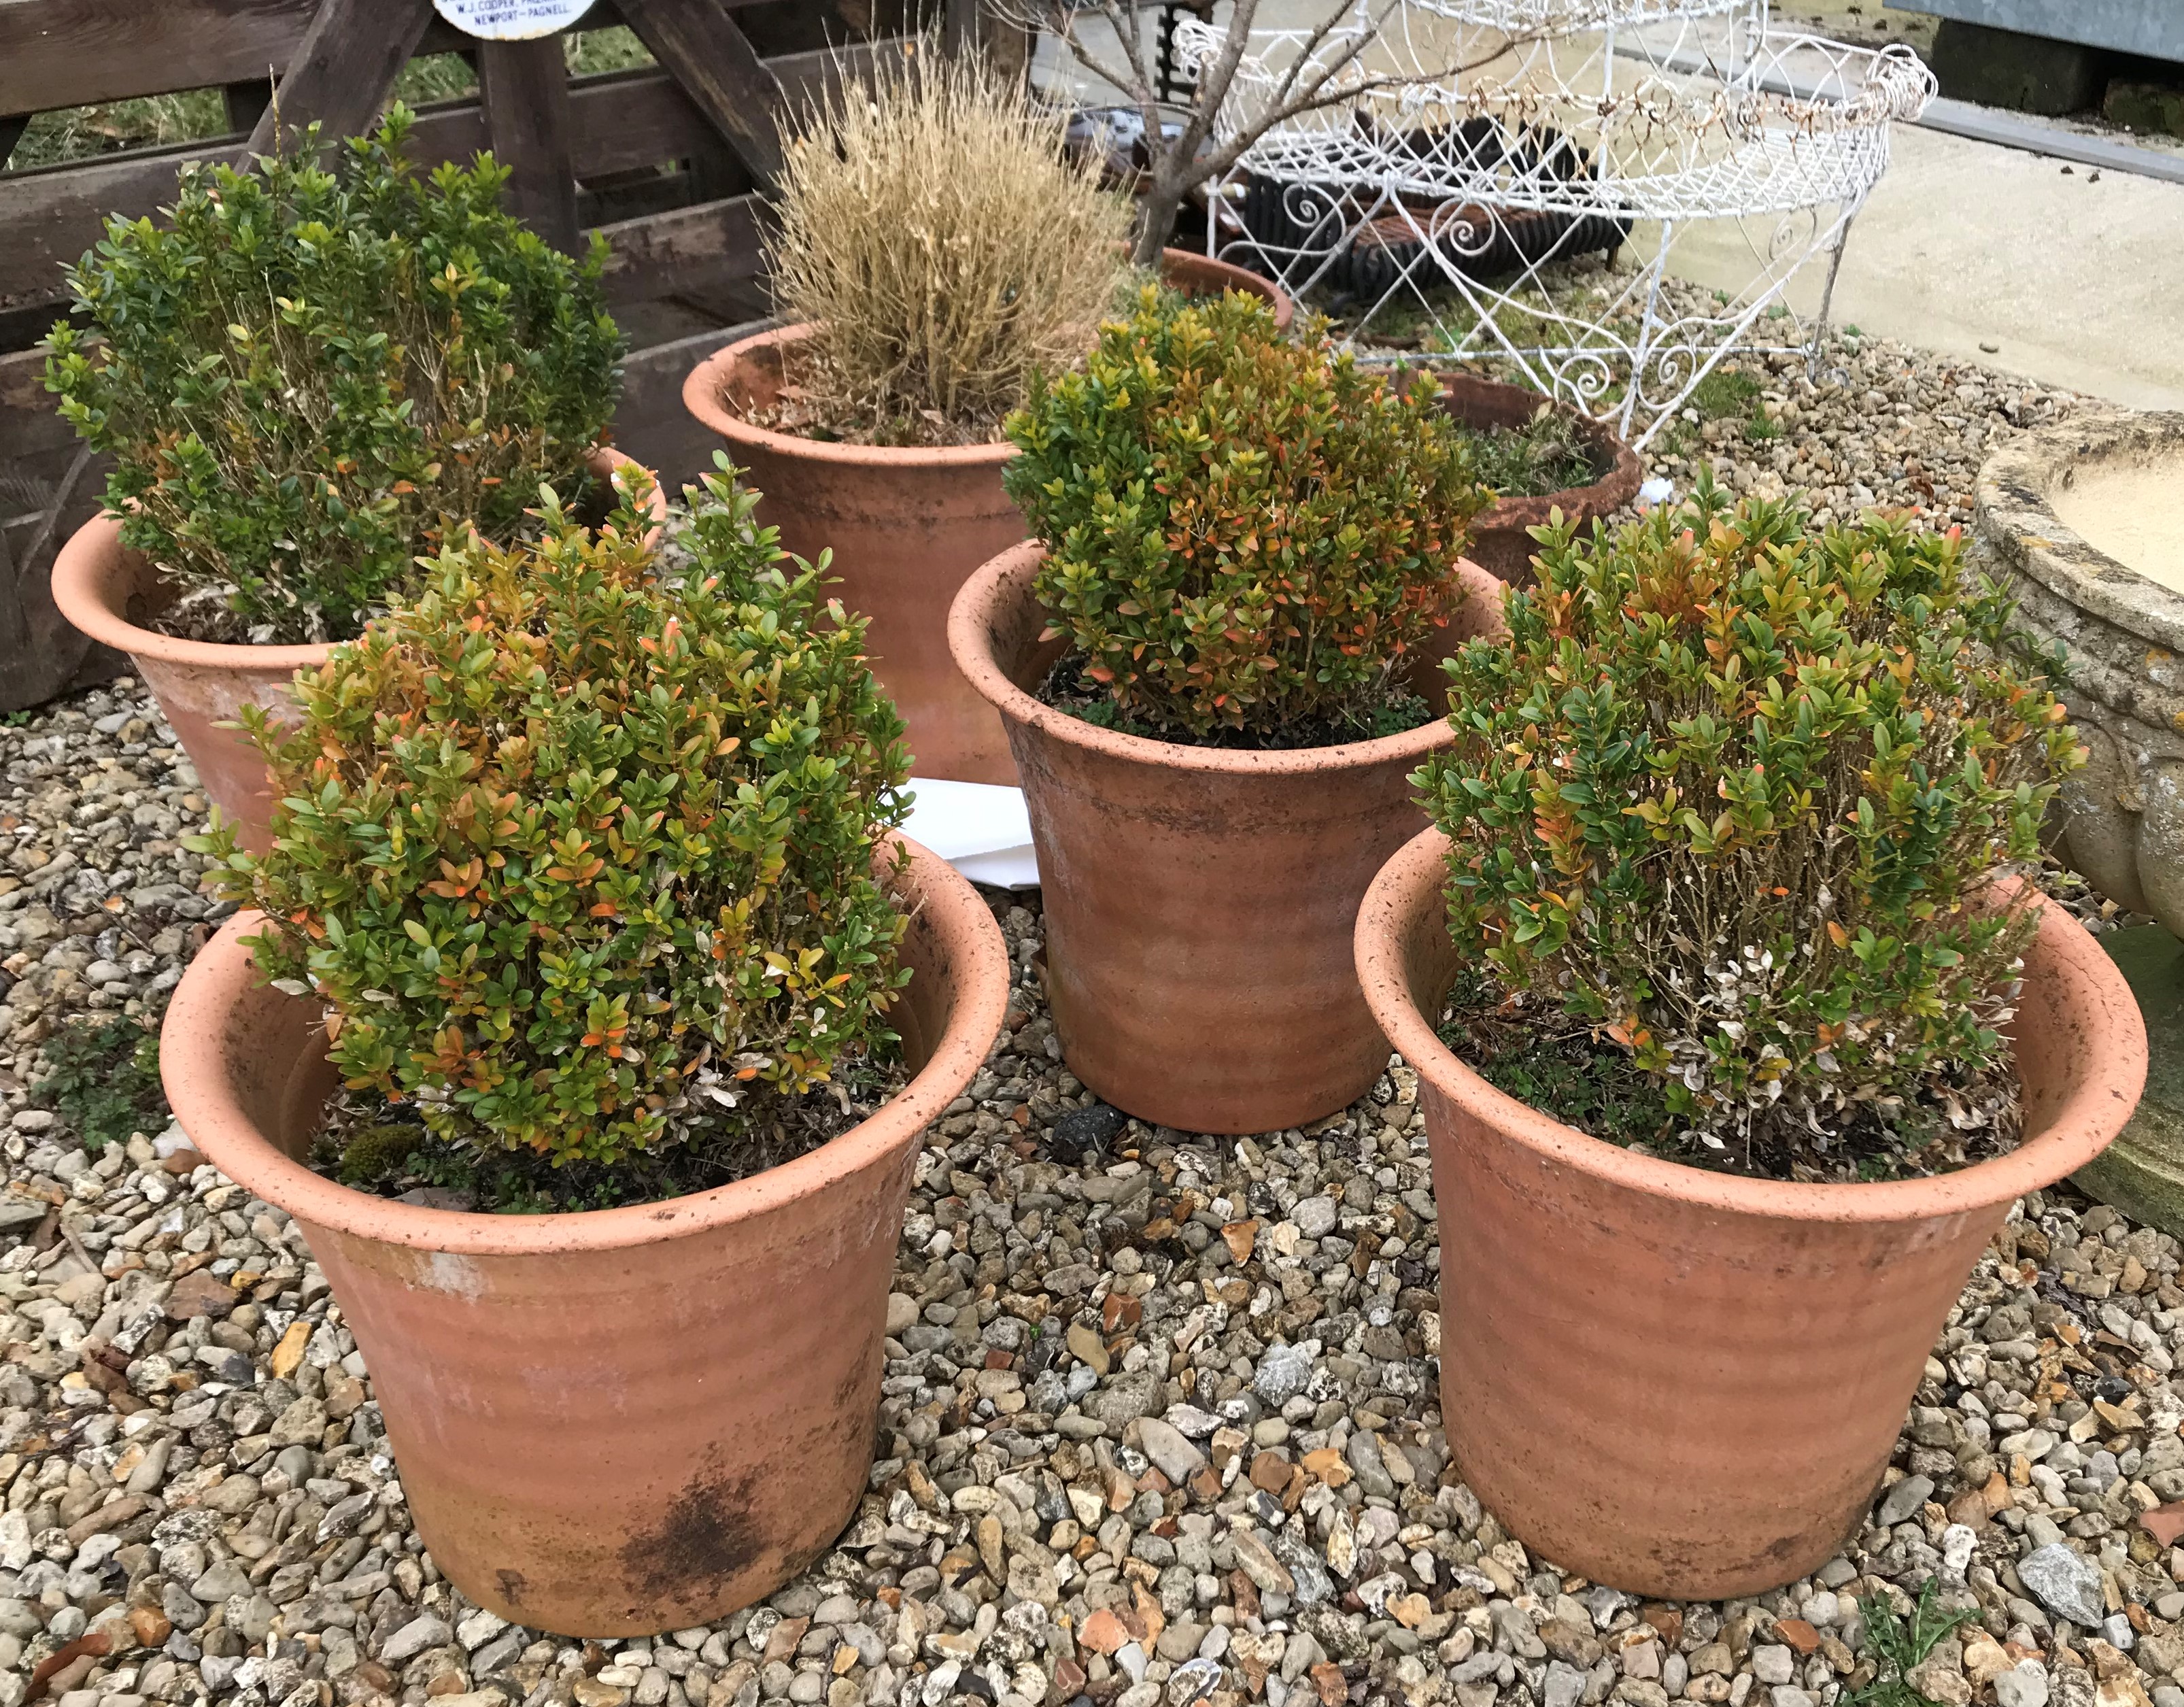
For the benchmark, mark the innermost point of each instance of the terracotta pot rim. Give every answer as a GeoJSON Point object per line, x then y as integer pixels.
{"type": "Point", "coordinates": [1612, 489]}
{"type": "Point", "coordinates": [701, 395]}
{"type": "Point", "coordinates": [75, 592]}
{"type": "Point", "coordinates": [966, 639]}
{"type": "Point", "coordinates": [194, 1079]}
{"type": "Point", "coordinates": [703, 385]}
{"type": "Point", "coordinates": [2076, 1131]}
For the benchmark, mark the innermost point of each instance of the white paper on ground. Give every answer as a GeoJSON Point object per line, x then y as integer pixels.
{"type": "Point", "coordinates": [980, 828]}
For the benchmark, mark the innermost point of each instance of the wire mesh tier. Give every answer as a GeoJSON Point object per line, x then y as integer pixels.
{"type": "Point", "coordinates": [1492, 146]}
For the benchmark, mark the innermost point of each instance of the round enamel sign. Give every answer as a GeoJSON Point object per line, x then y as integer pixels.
{"type": "Point", "coordinates": [512, 20]}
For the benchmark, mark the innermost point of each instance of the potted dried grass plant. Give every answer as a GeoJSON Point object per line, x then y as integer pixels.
{"type": "Point", "coordinates": [934, 245]}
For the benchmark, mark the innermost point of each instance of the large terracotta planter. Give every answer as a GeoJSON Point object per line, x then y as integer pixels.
{"type": "Point", "coordinates": [109, 592]}
{"type": "Point", "coordinates": [1502, 543]}
{"type": "Point", "coordinates": [1679, 1383]}
{"type": "Point", "coordinates": [906, 526]}
{"type": "Point", "coordinates": [1199, 900]}
{"type": "Point", "coordinates": [626, 1420]}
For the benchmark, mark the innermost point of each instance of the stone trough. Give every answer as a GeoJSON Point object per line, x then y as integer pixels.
{"type": "Point", "coordinates": [2086, 520]}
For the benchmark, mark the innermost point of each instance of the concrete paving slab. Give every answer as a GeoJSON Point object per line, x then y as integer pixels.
{"type": "Point", "coordinates": [1962, 245]}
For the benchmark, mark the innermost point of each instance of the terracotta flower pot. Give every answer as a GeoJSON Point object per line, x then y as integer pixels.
{"type": "Point", "coordinates": [1500, 542]}
{"type": "Point", "coordinates": [1679, 1383]}
{"type": "Point", "coordinates": [109, 593]}
{"type": "Point", "coordinates": [625, 1420]}
{"type": "Point", "coordinates": [1199, 900]}
{"type": "Point", "coordinates": [906, 525]}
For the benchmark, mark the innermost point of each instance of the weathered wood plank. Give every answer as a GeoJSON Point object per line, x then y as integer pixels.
{"type": "Point", "coordinates": [72, 52]}
{"type": "Point", "coordinates": [41, 655]}
{"type": "Point", "coordinates": [524, 87]}
{"type": "Point", "coordinates": [12, 126]}
{"type": "Point", "coordinates": [29, 425]}
{"type": "Point", "coordinates": [718, 68]}
{"type": "Point", "coordinates": [345, 70]}
{"type": "Point", "coordinates": [622, 121]}
{"type": "Point", "coordinates": [666, 254]}
{"type": "Point", "coordinates": [619, 121]}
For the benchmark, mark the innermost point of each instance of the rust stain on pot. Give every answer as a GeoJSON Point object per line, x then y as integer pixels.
{"type": "Point", "coordinates": [707, 1538]}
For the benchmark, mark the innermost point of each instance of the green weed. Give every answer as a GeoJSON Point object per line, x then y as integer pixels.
{"type": "Point", "coordinates": [1899, 1647]}
{"type": "Point", "coordinates": [103, 1080]}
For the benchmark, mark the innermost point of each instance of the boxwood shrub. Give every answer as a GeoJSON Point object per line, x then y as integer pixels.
{"type": "Point", "coordinates": [580, 852]}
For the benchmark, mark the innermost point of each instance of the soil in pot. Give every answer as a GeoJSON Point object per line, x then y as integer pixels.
{"type": "Point", "coordinates": [365, 1142]}
{"type": "Point", "coordinates": [1566, 1068]}
{"type": "Point", "coordinates": [1394, 707]}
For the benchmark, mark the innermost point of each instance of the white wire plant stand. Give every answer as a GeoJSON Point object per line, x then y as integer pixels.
{"type": "Point", "coordinates": [1498, 201]}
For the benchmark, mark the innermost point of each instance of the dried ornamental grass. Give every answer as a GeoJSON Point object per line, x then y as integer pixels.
{"type": "Point", "coordinates": [933, 233]}
{"type": "Point", "coordinates": [1734, 795]}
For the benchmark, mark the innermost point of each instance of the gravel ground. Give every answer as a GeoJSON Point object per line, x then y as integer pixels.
{"type": "Point", "coordinates": [1878, 423]}
{"type": "Point", "coordinates": [1871, 422]}
{"type": "Point", "coordinates": [1160, 1419]}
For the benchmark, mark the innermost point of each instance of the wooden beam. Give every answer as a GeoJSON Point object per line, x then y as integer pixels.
{"type": "Point", "coordinates": [31, 426]}
{"type": "Point", "coordinates": [620, 121]}
{"type": "Point", "coordinates": [246, 100]}
{"type": "Point", "coordinates": [345, 70]}
{"type": "Point", "coordinates": [699, 44]}
{"type": "Point", "coordinates": [692, 249]}
{"type": "Point", "coordinates": [74, 52]}
{"type": "Point", "coordinates": [525, 88]}
{"type": "Point", "coordinates": [40, 653]}
{"type": "Point", "coordinates": [12, 127]}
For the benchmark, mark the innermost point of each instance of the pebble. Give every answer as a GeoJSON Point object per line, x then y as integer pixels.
{"type": "Point", "coordinates": [1238, 1465]}
{"type": "Point", "coordinates": [2067, 1583]}
{"type": "Point", "coordinates": [1904, 1499]}
{"type": "Point", "coordinates": [2024, 1685]}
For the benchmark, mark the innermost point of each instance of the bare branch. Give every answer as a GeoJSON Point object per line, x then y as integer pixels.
{"type": "Point", "coordinates": [1317, 98]}
{"type": "Point", "coordinates": [1318, 39]}
{"type": "Point", "coordinates": [1213, 80]}
{"type": "Point", "coordinates": [1307, 84]}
